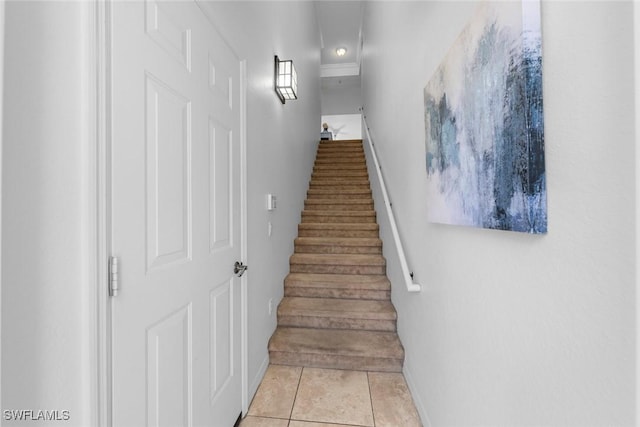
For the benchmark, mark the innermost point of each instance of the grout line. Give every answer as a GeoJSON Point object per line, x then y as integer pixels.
{"type": "Point", "coordinates": [295, 397]}
{"type": "Point", "coordinates": [373, 414]}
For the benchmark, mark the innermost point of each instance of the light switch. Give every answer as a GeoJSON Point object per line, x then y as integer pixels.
{"type": "Point", "coordinates": [271, 202]}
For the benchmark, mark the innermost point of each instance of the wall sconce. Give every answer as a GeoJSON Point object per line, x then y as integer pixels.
{"type": "Point", "coordinates": [286, 80]}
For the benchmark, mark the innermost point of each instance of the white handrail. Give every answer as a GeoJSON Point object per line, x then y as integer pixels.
{"type": "Point", "coordinates": [411, 286]}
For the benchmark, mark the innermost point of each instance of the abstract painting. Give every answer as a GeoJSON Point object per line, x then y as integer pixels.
{"type": "Point", "coordinates": [484, 124]}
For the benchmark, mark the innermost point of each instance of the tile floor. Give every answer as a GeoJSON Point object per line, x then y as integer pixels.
{"type": "Point", "coordinates": [310, 397]}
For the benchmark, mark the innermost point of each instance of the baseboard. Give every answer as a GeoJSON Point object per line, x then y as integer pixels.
{"type": "Point", "coordinates": [422, 411]}
{"type": "Point", "coordinates": [253, 388]}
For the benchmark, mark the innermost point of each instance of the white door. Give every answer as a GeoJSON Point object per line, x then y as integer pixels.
{"type": "Point", "coordinates": [175, 218]}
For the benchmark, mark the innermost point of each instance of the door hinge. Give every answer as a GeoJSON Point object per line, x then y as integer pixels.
{"type": "Point", "coordinates": [114, 277]}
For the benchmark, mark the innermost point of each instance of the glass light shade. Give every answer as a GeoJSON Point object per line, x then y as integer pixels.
{"type": "Point", "coordinates": [286, 83]}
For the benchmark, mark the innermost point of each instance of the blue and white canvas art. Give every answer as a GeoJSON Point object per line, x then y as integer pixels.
{"type": "Point", "coordinates": [484, 124]}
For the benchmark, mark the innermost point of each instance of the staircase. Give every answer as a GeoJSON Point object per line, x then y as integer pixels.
{"type": "Point", "coordinates": [337, 311]}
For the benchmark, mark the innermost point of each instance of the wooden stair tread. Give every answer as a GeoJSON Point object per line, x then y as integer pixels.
{"type": "Point", "coordinates": [345, 161]}
{"type": "Point", "coordinates": [337, 308]}
{"type": "Point", "coordinates": [354, 201]}
{"type": "Point", "coordinates": [375, 282]}
{"type": "Point", "coordinates": [338, 245]}
{"type": "Point", "coordinates": [337, 193]}
{"type": "Point", "coordinates": [343, 286]}
{"type": "Point", "coordinates": [338, 259]}
{"type": "Point", "coordinates": [328, 205]}
{"type": "Point", "coordinates": [338, 226]}
{"type": "Point", "coordinates": [340, 241]}
{"type": "Point", "coordinates": [354, 156]}
{"type": "Point", "coordinates": [343, 143]}
{"type": "Point", "coordinates": [340, 166]}
{"type": "Point", "coordinates": [343, 263]}
{"type": "Point", "coordinates": [368, 212]}
{"type": "Point", "coordinates": [352, 174]}
{"type": "Point", "coordinates": [339, 342]}
{"type": "Point", "coordinates": [338, 229]}
{"type": "Point", "coordinates": [339, 185]}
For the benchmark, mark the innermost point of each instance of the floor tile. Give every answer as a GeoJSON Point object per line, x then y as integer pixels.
{"type": "Point", "coordinates": [392, 403]}
{"type": "Point", "coordinates": [250, 421]}
{"type": "Point", "coordinates": [312, 424]}
{"type": "Point", "coordinates": [333, 396]}
{"type": "Point", "coordinates": [277, 392]}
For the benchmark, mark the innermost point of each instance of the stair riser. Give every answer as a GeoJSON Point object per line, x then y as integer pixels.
{"type": "Point", "coordinates": [339, 183]}
{"type": "Point", "coordinates": [339, 207]}
{"type": "Point", "coordinates": [357, 176]}
{"type": "Point", "coordinates": [338, 204]}
{"type": "Point", "coordinates": [308, 292]}
{"type": "Point", "coordinates": [338, 156]}
{"type": "Point", "coordinates": [350, 201]}
{"type": "Point", "coordinates": [358, 172]}
{"type": "Point", "coordinates": [324, 177]}
{"type": "Point", "coordinates": [333, 167]}
{"type": "Point", "coordinates": [338, 219]}
{"type": "Point", "coordinates": [344, 179]}
{"type": "Point", "coordinates": [340, 162]}
{"type": "Point", "coordinates": [337, 187]}
{"type": "Point", "coordinates": [334, 249]}
{"type": "Point", "coordinates": [338, 194]}
{"type": "Point", "coordinates": [340, 148]}
{"type": "Point", "coordinates": [332, 152]}
{"type": "Point", "coordinates": [359, 154]}
{"type": "Point", "coordinates": [332, 323]}
{"type": "Point", "coordinates": [335, 362]}
{"type": "Point", "coordinates": [341, 157]}
{"type": "Point", "coordinates": [342, 230]}
{"type": "Point", "coordinates": [337, 269]}
{"type": "Point", "coordinates": [338, 216]}
{"type": "Point", "coordinates": [337, 174]}
{"type": "Point", "coordinates": [337, 233]}
{"type": "Point", "coordinates": [333, 186]}
{"type": "Point", "coordinates": [340, 174]}
{"type": "Point", "coordinates": [340, 145]}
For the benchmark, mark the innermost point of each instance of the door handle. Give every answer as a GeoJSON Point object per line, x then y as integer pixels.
{"type": "Point", "coordinates": [239, 268]}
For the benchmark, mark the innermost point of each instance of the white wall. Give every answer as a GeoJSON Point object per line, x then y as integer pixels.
{"type": "Point", "coordinates": [46, 286]}
{"type": "Point", "coordinates": [1, 144]}
{"type": "Point", "coordinates": [281, 145]}
{"type": "Point", "coordinates": [636, 27]}
{"type": "Point", "coordinates": [513, 329]}
{"type": "Point", "coordinates": [340, 95]}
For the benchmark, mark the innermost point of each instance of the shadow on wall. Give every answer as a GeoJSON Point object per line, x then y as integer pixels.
{"type": "Point", "coordinates": [344, 126]}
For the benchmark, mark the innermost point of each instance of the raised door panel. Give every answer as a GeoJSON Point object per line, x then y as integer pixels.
{"type": "Point", "coordinates": [221, 186]}
{"type": "Point", "coordinates": [168, 178]}
{"type": "Point", "coordinates": [171, 37]}
{"type": "Point", "coordinates": [169, 370]}
{"type": "Point", "coordinates": [221, 339]}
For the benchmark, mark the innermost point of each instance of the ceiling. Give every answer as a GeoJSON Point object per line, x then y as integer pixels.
{"type": "Point", "coordinates": [340, 26]}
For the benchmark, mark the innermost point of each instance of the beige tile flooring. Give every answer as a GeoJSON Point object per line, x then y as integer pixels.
{"type": "Point", "coordinates": [310, 397]}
